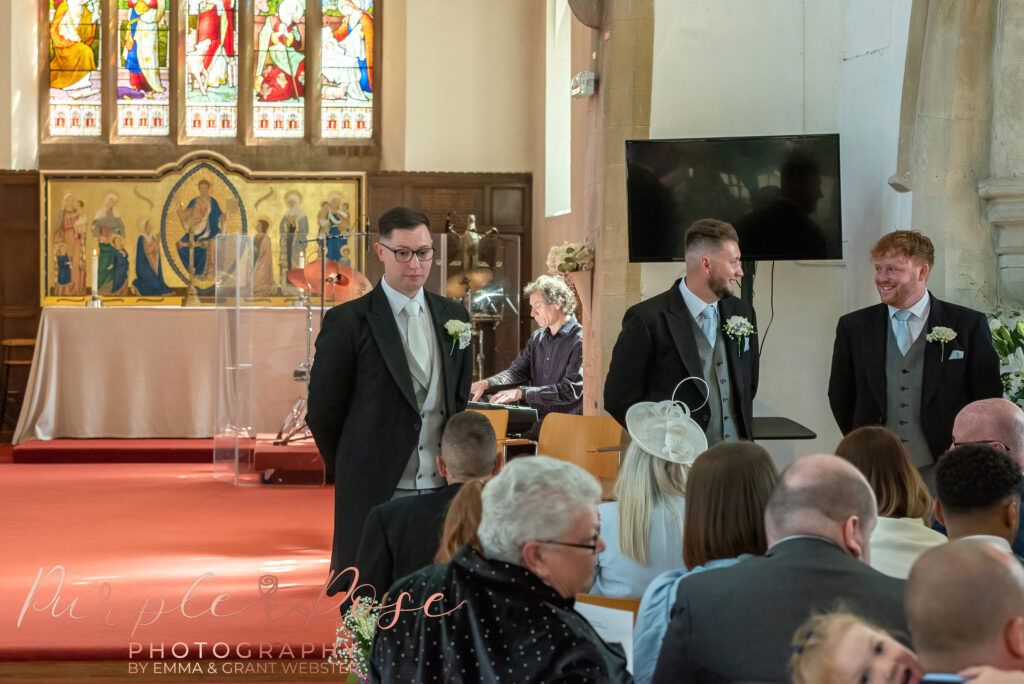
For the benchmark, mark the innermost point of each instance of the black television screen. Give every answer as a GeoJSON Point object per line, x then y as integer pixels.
{"type": "Point", "coordinates": [780, 192]}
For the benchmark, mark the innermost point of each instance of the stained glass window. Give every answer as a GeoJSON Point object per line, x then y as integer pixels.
{"type": "Point", "coordinates": [347, 68]}
{"type": "Point", "coordinates": [211, 69]}
{"type": "Point", "coordinates": [143, 76]}
{"type": "Point", "coordinates": [280, 69]}
{"type": "Point", "coordinates": [74, 32]}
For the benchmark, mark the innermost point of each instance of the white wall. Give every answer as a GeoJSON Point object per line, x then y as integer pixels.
{"type": "Point", "coordinates": [19, 147]}
{"type": "Point", "coordinates": [470, 80]}
{"type": "Point", "coordinates": [747, 67]}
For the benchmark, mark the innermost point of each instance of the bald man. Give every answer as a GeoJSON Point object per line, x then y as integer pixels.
{"type": "Point", "coordinates": [965, 607]}
{"type": "Point", "coordinates": [735, 623]}
{"type": "Point", "coordinates": [999, 424]}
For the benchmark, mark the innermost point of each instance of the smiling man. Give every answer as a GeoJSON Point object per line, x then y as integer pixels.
{"type": "Point", "coordinates": [385, 379]}
{"type": "Point", "coordinates": [548, 373]}
{"type": "Point", "coordinates": [695, 329]}
{"type": "Point", "coordinates": [913, 361]}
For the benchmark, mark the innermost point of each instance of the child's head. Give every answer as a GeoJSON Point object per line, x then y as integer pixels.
{"type": "Point", "coordinates": [840, 648]}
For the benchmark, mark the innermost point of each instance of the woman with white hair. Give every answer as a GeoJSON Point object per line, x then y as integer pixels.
{"type": "Point", "coordinates": [506, 614]}
{"type": "Point", "coordinates": [644, 525]}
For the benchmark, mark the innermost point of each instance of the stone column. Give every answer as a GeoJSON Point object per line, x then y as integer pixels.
{"type": "Point", "coordinates": [949, 152]}
{"type": "Point", "coordinates": [1003, 189]}
{"type": "Point", "coordinates": [622, 111]}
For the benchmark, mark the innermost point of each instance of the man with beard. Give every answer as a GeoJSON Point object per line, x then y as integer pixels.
{"type": "Point", "coordinates": [913, 361]}
{"type": "Point", "coordinates": [695, 329]}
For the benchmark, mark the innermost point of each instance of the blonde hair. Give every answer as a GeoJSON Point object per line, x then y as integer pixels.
{"type": "Point", "coordinates": [814, 647]}
{"type": "Point", "coordinates": [645, 480]}
{"type": "Point", "coordinates": [462, 519]}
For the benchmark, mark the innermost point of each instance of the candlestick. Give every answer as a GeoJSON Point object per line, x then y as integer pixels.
{"type": "Point", "coordinates": [95, 272]}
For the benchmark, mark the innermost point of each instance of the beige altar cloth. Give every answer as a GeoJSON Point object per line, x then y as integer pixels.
{"type": "Point", "coordinates": [152, 372]}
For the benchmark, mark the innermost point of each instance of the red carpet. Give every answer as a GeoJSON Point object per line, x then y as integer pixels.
{"type": "Point", "coordinates": [115, 451]}
{"type": "Point", "coordinates": [145, 562]}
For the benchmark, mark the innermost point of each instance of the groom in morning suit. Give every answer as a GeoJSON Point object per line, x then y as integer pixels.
{"type": "Point", "coordinates": [385, 379]}
{"type": "Point", "coordinates": [681, 333]}
{"type": "Point", "coordinates": [886, 372]}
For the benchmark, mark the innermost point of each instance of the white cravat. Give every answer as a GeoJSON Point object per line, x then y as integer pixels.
{"type": "Point", "coordinates": [416, 339]}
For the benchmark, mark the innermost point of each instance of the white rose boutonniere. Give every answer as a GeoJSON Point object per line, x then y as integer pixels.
{"type": "Point", "coordinates": [942, 335]}
{"type": "Point", "coordinates": [738, 328]}
{"type": "Point", "coordinates": [460, 332]}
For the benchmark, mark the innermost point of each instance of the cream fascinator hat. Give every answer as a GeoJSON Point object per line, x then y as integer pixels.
{"type": "Point", "coordinates": [665, 429]}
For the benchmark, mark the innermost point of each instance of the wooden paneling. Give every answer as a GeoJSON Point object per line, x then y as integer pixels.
{"type": "Point", "coordinates": [497, 199]}
{"type": "Point", "coordinates": [19, 262]}
{"type": "Point", "coordinates": [19, 254]}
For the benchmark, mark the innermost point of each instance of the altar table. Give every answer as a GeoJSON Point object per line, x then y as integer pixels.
{"type": "Point", "coordinates": [152, 372]}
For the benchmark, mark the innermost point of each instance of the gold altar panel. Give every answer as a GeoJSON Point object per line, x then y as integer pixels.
{"type": "Point", "coordinates": [151, 233]}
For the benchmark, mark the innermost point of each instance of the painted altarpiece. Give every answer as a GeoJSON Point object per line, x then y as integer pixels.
{"type": "Point", "coordinates": [154, 232]}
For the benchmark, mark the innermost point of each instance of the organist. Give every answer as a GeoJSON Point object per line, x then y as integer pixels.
{"type": "Point", "coordinates": [548, 373]}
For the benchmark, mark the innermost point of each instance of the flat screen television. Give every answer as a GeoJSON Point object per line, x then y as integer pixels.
{"type": "Point", "coordinates": [780, 192]}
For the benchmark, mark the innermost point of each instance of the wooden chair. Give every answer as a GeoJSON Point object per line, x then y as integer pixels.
{"type": "Point", "coordinates": [630, 604]}
{"type": "Point", "coordinates": [499, 421]}
{"type": "Point", "coordinates": [591, 442]}
{"type": "Point", "coordinates": [10, 347]}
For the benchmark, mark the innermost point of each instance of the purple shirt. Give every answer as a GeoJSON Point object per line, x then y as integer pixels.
{"type": "Point", "coordinates": [549, 370]}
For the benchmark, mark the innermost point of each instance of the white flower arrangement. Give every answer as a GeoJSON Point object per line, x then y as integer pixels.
{"type": "Point", "coordinates": [570, 256]}
{"type": "Point", "coordinates": [942, 335]}
{"type": "Point", "coordinates": [1008, 340]}
{"type": "Point", "coordinates": [738, 328]}
{"type": "Point", "coordinates": [353, 641]}
{"type": "Point", "coordinates": [460, 332]}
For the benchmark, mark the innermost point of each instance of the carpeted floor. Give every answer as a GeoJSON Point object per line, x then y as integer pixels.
{"type": "Point", "coordinates": [150, 563]}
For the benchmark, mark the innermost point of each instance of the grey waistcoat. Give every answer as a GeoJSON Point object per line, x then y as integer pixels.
{"type": "Point", "coordinates": [715, 370]}
{"type": "Point", "coordinates": [904, 377]}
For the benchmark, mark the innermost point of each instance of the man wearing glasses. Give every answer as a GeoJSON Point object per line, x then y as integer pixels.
{"type": "Point", "coordinates": [385, 378]}
{"type": "Point", "coordinates": [997, 423]}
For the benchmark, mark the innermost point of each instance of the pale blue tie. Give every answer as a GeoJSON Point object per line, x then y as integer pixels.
{"type": "Point", "coordinates": [901, 328]}
{"type": "Point", "coordinates": [708, 318]}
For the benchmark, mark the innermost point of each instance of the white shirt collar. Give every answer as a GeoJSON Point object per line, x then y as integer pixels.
{"type": "Point", "coordinates": [398, 301]}
{"type": "Point", "coordinates": [998, 542]}
{"type": "Point", "coordinates": [919, 310]}
{"type": "Point", "coordinates": [694, 304]}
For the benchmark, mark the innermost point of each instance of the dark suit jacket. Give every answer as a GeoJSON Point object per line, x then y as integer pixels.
{"type": "Point", "coordinates": [856, 386]}
{"type": "Point", "coordinates": [656, 349]}
{"type": "Point", "coordinates": [362, 409]}
{"type": "Point", "coordinates": [402, 536]}
{"type": "Point", "coordinates": [736, 624]}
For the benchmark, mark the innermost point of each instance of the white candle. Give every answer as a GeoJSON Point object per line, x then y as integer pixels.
{"type": "Point", "coordinates": [302, 256]}
{"type": "Point", "coordinates": [95, 272]}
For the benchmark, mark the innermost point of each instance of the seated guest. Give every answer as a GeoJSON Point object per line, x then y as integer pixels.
{"type": "Point", "coordinates": [402, 535]}
{"type": "Point", "coordinates": [1000, 424]}
{"type": "Point", "coordinates": [735, 624]}
{"type": "Point", "coordinates": [548, 373]}
{"type": "Point", "coordinates": [965, 607]}
{"type": "Point", "coordinates": [726, 493]}
{"type": "Point", "coordinates": [643, 528]}
{"type": "Point", "coordinates": [839, 648]}
{"type": "Point", "coordinates": [506, 614]}
{"type": "Point", "coordinates": [904, 504]}
{"type": "Point", "coordinates": [462, 520]}
{"type": "Point", "coordinates": [979, 494]}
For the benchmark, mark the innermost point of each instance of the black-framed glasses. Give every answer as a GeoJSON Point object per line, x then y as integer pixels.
{"type": "Point", "coordinates": [994, 443]}
{"type": "Point", "coordinates": [403, 255]}
{"type": "Point", "coordinates": [592, 547]}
